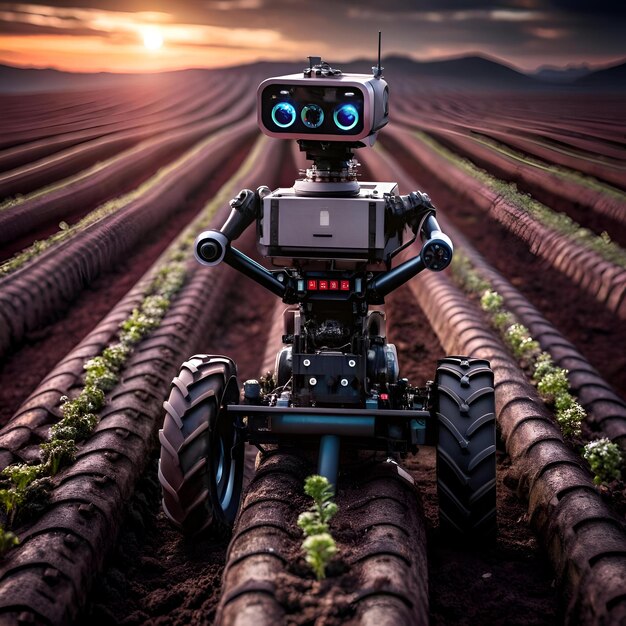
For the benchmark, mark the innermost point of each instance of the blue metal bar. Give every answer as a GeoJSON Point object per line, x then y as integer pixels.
{"type": "Point", "coordinates": [291, 424]}
{"type": "Point", "coordinates": [328, 464]}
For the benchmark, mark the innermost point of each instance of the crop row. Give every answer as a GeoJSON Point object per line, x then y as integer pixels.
{"type": "Point", "coordinates": [53, 110]}
{"type": "Point", "coordinates": [32, 293]}
{"type": "Point", "coordinates": [86, 503]}
{"type": "Point", "coordinates": [76, 195]}
{"type": "Point", "coordinates": [606, 410]}
{"type": "Point", "coordinates": [582, 535]}
{"type": "Point", "coordinates": [118, 116]}
{"type": "Point", "coordinates": [482, 125]}
{"type": "Point", "coordinates": [28, 169]}
{"type": "Point", "coordinates": [594, 265]}
{"type": "Point", "coordinates": [585, 542]}
{"type": "Point", "coordinates": [544, 120]}
{"type": "Point", "coordinates": [594, 204]}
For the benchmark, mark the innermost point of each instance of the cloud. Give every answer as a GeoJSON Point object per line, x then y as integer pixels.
{"type": "Point", "coordinates": [442, 16]}
{"type": "Point", "coordinates": [36, 19]}
{"type": "Point", "coordinates": [523, 32]}
{"type": "Point", "coordinates": [235, 5]}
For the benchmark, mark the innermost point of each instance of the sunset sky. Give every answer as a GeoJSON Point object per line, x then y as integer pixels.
{"type": "Point", "coordinates": [137, 35]}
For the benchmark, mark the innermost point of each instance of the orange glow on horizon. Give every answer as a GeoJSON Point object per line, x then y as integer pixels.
{"type": "Point", "coordinates": [97, 54]}
{"type": "Point", "coordinates": [122, 41]}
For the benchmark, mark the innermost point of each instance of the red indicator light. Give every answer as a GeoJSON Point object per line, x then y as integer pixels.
{"type": "Point", "coordinates": [345, 285]}
{"type": "Point", "coordinates": [323, 284]}
{"type": "Point", "coordinates": [333, 285]}
{"type": "Point", "coordinates": [384, 396]}
{"type": "Point", "coordinates": [312, 284]}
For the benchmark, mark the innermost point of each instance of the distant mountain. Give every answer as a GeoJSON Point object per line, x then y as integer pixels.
{"type": "Point", "coordinates": [464, 72]}
{"type": "Point", "coordinates": [27, 80]}
{"type": "Point", "coordinates": [562, 75]}
{"type": "Point", "coordinates": [608, 79]}
{"type": "Point", "coordinates": [471, 70]}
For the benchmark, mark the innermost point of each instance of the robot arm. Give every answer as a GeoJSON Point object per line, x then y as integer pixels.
{"type": "Point", "coordinates": [212, 245]}
{"type": "Point", "coordinates": [410, 210]}
{"type": "Point", "coordinates": [416, 211]}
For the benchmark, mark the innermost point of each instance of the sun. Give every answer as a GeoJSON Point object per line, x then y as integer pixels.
{"type": "Point", "coordinates": [152, 39]}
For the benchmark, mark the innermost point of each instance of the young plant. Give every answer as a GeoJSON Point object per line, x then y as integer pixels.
{"type": "Point", "coordinates": [605, 459]}
{"type": "Point", "coordinates": [319, 546]}
{"type": "Point", "coordinates": [570, 418]}
{"type": "Point", "coordinates": [543, 365]}
{"type": "Point", "coordinates": [553, 384]}
{"type": "Point", "coordinates": [491, 301]}
{"type": "Point", "coordinates": [10, 500]}
{"type": "Point", "coordinates": [521, 343]}
{"type": "Point", "coordinates": [21, 475]}
{"type": "Point", "coordinates": [56, 454]}
{"type": "Point", "coordinates": [319, 549]}
{"type": "Point", "coordinates": [7, 540]}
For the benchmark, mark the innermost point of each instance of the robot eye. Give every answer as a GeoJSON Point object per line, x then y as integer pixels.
{"type": "Point", "coordinates": [312, 115]}
{"type": "Point", "coordinates": [283, 114]}
{"type": "Point", "coordinates": [346, 116]}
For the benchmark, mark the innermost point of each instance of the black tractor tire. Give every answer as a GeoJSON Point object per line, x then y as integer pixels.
{"type": "Point", "coordinates": [201, 463]}
{"type": "Point", "coordinates": [466, 449]}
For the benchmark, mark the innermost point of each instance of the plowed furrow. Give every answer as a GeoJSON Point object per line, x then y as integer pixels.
{"type": "Point", "coordinates": [597, 210]}
{"type": "Point", "coordinates": [89, 497]}
{"type": "Point", "coordinates": [598, 277]}
{"type": "Point", "coordinates": [75, 160]}
{"type": "Point", "coordinates": [29, 146]}
{"type": "Point", "coordinates": [607, 411]}
{"type": "Point", "coordinates": [33, 293]}
{"type": "Point", "coordinates": [74, 197]}
{"type": "Point", "coordinates": [550, 292]}
{"type": "Point", "coordinates": [385, 552]}
{"type": "Point", "coordinates": [585, 541]}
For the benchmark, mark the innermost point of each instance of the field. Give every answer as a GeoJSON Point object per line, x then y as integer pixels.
{"type": "Point", "coordinates": [102, 192]}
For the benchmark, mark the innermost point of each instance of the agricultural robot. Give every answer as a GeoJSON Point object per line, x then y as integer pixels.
{"type": "Point", "coordinates": [331, 240]}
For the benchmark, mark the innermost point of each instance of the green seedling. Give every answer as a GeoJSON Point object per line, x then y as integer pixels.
{"type": "Point", "coordinates": [319, 546]}
{"type": "Point", "coordinates": [491, 301]}
{"type": "Point", "coordinates": [560, 222]}
{"type": "Point", "coordinates": [21, 475]}
{"type": "Point", "coordinates": [570, 418]}
{"type": "Point", "coordinates": [521, 343]}
{"type": "Point", "coordinates": [10, 500]}
{"type": "Point", "coordinates": [554, 383]}
{"type": "Point", "coordinates": [543, 365]}
{"type": "Point", "coordinates": [605, 459]}
{"type": "Point", "coordinates": [319, 549]}
{"type": "Point", "coordinates": [56, 454]}
{"type": "Point", "coordinates": [8, 540]}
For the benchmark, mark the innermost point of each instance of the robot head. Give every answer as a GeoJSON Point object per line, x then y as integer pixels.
{"type": "Point", "coordinates": [323, 105]}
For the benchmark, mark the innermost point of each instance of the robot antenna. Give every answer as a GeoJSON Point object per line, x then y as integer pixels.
{"type": "Point", "coordinates": [378, 70]}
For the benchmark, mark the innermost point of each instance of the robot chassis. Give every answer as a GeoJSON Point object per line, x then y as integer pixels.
{"type": "Point", "coordinates": [336, 380]}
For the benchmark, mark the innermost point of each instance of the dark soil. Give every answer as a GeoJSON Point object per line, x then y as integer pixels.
{"type": "Point", "coordinates": [75, 213]}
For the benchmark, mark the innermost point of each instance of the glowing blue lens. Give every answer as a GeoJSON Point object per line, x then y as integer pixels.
{"type": "Point", "coordinates": [283, 114]}
{"type": "Point", "coordinates": [346, 116]}
{"type": "Point", "coordinates": [312, 115]}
